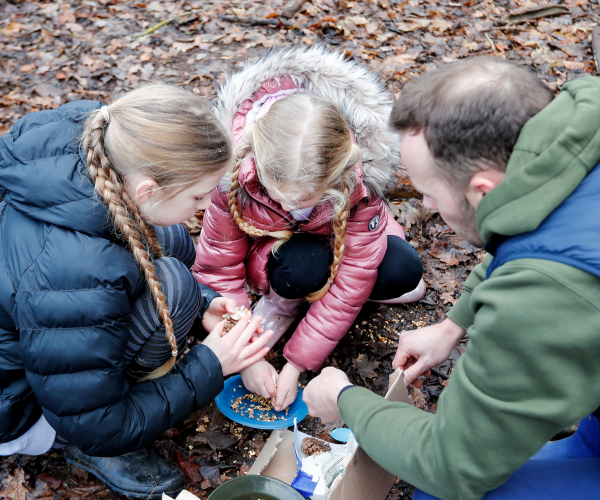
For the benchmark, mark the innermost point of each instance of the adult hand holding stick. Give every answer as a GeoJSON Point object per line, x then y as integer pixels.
{"type": "Point", "coordinates": [422, 349]}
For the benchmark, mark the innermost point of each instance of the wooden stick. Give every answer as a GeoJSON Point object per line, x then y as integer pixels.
{"type": "Point", "coordinates": [170, 19]}
{"type": "Point", "coordinates": [291, 8]}
{"type": "Point", "coordinates": [491, 43]}
{"type": "Point", "coordinates": [596, 47]}
{"type": "Point", "coordinates": [257, 21]}
{"type": "Point", "coordinates": [536, 12]}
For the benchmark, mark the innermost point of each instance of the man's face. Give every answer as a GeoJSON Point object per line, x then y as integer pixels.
{"type": "Point", "coordinates": [438, 194]}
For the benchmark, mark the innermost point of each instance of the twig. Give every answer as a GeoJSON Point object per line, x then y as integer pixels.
{"type": "Point", "coordinates": [439, 373]}
{"type": "Point", "coordinates": [170, 19]}
{"type": "Point", "coordinates": [394, 30]}
{"type": "Point", "coordinates": [20, 35]}
{"type": "Point", "coordinates": [257, 21]}
{"type": "Point", "coordinates": [536, 12]}
{"type": "Point", "coordinates": [596, 47]}
{"type": "Point", "coordinates": [508, 28]}
{"type": "Point", "coordinates": [491, 43]}
{"type": "Point", "coordinates": [291, 8]}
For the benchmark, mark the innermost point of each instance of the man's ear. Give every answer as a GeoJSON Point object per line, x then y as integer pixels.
{"type": "Point", "coordinates": [145, 189]}
{"type": "Point", "coordinates": [481, 184]}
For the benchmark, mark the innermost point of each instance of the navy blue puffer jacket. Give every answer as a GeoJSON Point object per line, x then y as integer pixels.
{"type": "Point", "coordinates": [66, 286]}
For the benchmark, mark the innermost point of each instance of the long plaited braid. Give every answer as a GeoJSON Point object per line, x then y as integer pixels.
{"type": "Point", "coordinates": [144, 228]}
{"type": "Point", "coordinates": [243, 151]}
{"type": "Point", "coordinates": [129, 222]}
{"type": "Point", "coordinates": [339, 230]}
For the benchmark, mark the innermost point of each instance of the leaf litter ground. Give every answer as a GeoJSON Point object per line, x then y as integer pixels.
{"type": "Point", "coordinates": [56, 52]}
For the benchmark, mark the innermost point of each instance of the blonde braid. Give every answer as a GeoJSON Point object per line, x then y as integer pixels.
{"type": "Point", "coordinates": [339, 231]}
{"type": "Point", "coordinates": [144, 228]}
{"type": "Point", "coordinates": [108, 185]}
{"type": "Point", "coordinates": [283, 236]}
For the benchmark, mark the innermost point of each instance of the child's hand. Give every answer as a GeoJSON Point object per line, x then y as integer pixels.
{"type": "Point", "coordinates": [214, 314]}
{"type": "Point", "coordinates": [287, 387]}
{"type": "Point", "coordinates": [233, 350]}
{"type": "Point", "coordinates": [215, 311]}
{"type": "Point", "coordinates": [258, 378]}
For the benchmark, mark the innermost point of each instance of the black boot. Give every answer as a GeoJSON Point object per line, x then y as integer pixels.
{"type": "Point", "coordinates": [139, 474]}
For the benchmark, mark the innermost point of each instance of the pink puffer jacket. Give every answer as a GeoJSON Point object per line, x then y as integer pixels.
{"type": "Point", "coordinates": [227, 258]}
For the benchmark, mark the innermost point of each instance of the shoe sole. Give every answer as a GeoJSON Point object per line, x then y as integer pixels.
{"type": "Point", "coordinates": [131, 494]}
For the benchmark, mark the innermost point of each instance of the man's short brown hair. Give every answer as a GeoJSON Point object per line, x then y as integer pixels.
{"type": "Point", "coordinates": [471, 112]}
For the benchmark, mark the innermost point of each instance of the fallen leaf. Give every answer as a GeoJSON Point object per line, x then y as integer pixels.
{"type": "Point", "coordinates": [312, 10]}
{"type": "Point", "coordinates": [50, 480]}
{"type": "Point", "coordinates": [448, 298]}
{"type": "Point", "coordinates": [446, 257]}
{"type": "Point", "coordinates": [419, 399]}
{"type": "Point", "coordinates": [12, 29]}
{"type": "Point", "coordinates": [16, 489]}
{"type": "Point", "coordinates": [440, 25]}
{"type": "Point", "coordinates": [216, 440]}
{"type": "Point", "coordinates": [90, 491]}
{"type": "Point", "coordinates": [470, 45]}
{"type": "Point", "coordinates": [189, 468]}
{"type": "Point", "coordinates": [212, 477]}
{"type": "Point", "coordinates": [414, 25]}
{"type": "Point", "coordinates": [26, 68]}
{"type": "Point", "coordinates": [364, 366]}
{"type": "Point", "coordinates": [400, 59]}
{"type": "Point", "coordinates": [574, 65]}
{"type": "Point", "coordinates": [74, 27]}
{"type": "Point", "coordinates": [114, 45]}
{"type": "Point", "coordinates": [358, 20]}
{"type": "Point", "coordinates": [372, 27]}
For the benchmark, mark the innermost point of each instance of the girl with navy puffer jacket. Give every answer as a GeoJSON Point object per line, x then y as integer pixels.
{"type": "Point", "coordinates": [96, 296]}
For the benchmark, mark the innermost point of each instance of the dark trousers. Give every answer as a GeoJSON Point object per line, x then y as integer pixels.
{"type": "Point", "coordinates": [148, 347]}
{"type": "Point", "coordinates": [302, 266]}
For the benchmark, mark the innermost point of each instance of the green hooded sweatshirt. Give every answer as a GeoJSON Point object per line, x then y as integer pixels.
{"type": "Point", "coordinates": [532, 364]}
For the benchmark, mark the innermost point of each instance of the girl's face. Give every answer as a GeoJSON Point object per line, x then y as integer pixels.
{"type": "Point", "coordinates": [178, 208]}
{"type": "Point", "coordinates": [304, 201]}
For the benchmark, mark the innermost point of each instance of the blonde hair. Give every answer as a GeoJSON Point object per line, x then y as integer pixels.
{"type": "Point", "coordinates": [301, 146]}
{"type": "Point", "coordinates": [167, 134]}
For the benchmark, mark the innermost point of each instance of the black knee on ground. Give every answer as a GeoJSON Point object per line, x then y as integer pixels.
{"type": "Point", "coordinates": [301, 266]}
{"type": "Point", "coordinates": [399, 272]}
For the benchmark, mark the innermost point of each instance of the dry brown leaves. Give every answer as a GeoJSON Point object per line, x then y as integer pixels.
{"type": "Point", "coordinates": [55, 52]}
{"type": "Point", "coordinates": [52, 53]}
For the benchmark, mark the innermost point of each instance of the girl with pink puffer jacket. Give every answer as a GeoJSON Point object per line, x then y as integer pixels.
{"type": "Point", "coordinates": [303, 215]}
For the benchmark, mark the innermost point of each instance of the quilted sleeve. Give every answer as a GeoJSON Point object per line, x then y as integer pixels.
{"type": "Point", "coordinates": [73, 318]}
{"type": "Point", "coordinates": [329, 319]}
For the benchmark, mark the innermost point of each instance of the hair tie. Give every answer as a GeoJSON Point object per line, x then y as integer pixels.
{"type": "Point", "coordinates": [105, 114]}
{"type": "Point", "coordinates": [174, 353]}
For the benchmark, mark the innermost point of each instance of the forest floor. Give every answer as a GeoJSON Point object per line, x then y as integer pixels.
{"type": "Point", "coordinates": [56, 52]}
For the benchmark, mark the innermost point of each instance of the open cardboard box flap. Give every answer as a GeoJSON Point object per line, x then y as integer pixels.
{"type": "Point", "coordinates": [363, 479]}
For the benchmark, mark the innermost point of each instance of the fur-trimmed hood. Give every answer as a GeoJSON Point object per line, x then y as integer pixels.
{"type": "Point", "coordinates": [356, 91]}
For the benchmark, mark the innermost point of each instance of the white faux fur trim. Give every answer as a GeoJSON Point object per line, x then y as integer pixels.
{"type": "Point", "coordinates": [355, 90]}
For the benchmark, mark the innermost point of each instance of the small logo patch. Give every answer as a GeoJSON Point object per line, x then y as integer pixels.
{"type": "Point", "coordinates": [374, 223]}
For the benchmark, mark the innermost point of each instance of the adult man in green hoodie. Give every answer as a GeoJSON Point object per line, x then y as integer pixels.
{"type": "Point", "coordinates": [509, 167]}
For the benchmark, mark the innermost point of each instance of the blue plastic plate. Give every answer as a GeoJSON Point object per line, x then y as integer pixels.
{"type": "Point", "coordinates": [234, 388]}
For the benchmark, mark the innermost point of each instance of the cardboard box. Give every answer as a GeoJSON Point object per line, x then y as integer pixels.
{"type": "Point", "coordinates": [363, 478]}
